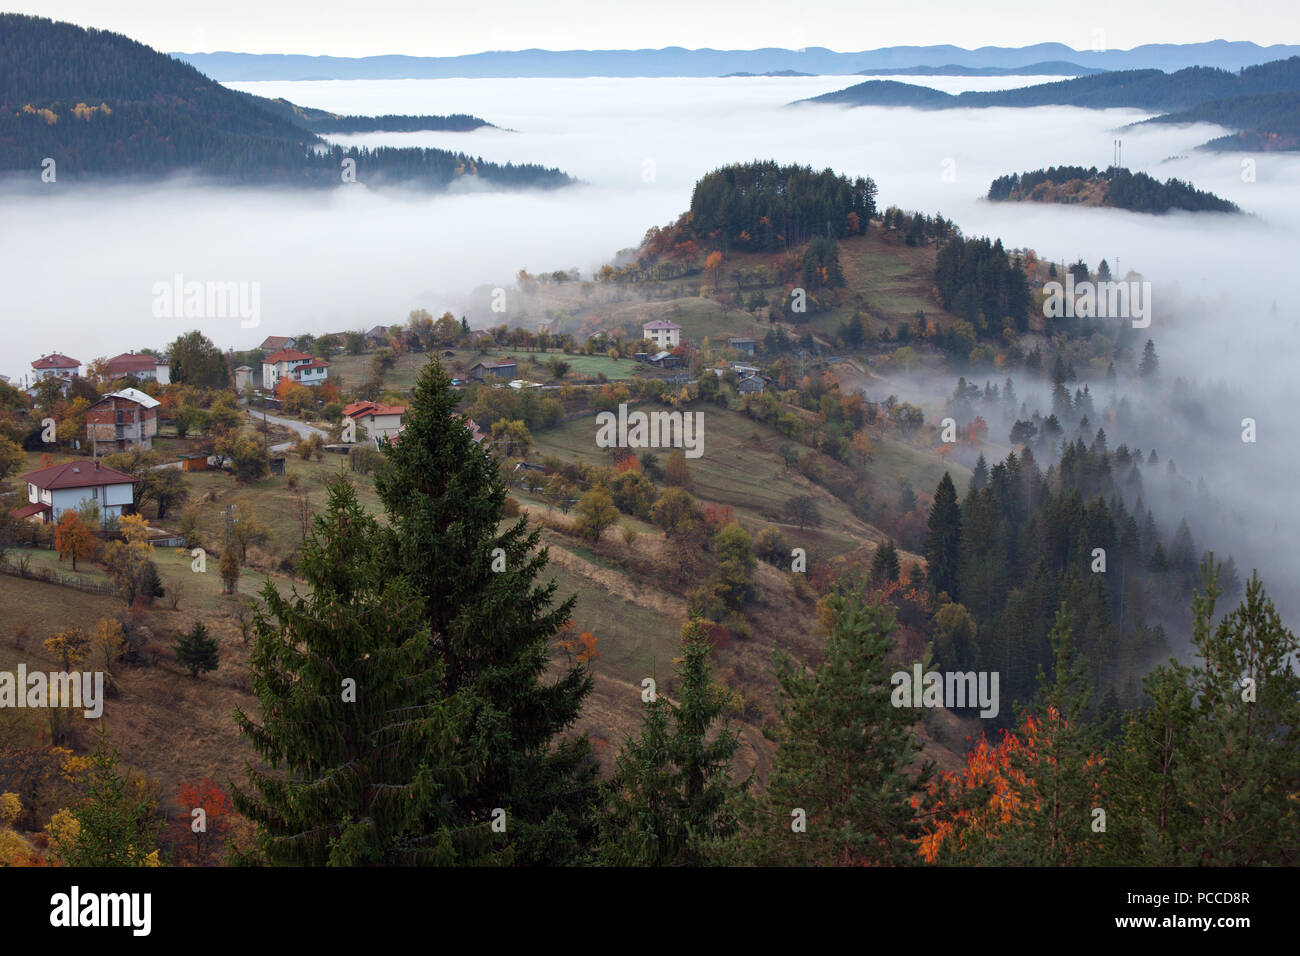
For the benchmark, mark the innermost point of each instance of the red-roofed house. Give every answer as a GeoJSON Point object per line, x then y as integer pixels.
{"type": "Point", "coordinates": [59, 488]}
{"type": "Point", "coordinates": [138, 367]}
{"type": "Point", "coordinates": [469, 423]}
{"type": "Point", "coordinates": [381, 421]}
{"type": "Point", "coordinates": [279, 364]}
{"type": "Point", "coordinates": [311, 373]}
{"type": "Point", "coordinates": [274, 343]}
{"type": "Point", "coordinates": [56, 365]}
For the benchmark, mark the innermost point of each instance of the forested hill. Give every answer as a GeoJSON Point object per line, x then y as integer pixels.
{"type": "Point", "coordinates": [1117, 187]}
{"type": "Point", "coordinates": [323, 121]}
{"type": "Point", "coordinates": [1263, 101]}
{"type": "Point", "coordinates": [103, 105]}
{"type": "Point", "coordinates": [1269, 121]}
{"type": "Point", "coordinates": [763, 206]}
{"type": "Point", "coordinates": [1139, 89]}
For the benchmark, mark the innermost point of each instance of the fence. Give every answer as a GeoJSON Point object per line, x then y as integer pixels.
{"type": "Point", "coordinates": [57, 577]}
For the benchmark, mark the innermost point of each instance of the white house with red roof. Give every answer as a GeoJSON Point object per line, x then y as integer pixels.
{"type": "Point", "coordinates": [281, 364]}
{"type": "Point", "coordinates": [139, 367]}
{"type": "Point", "coordinates": [311, 373]}
{"type": "Point", "coordinates": [381, 421]}
{"type": "Point", "coordinates": [663, 333]}
{"type": "Point", "coordinates": [66, 487]}
{"type": "Point", "coordinates": [56, 365]}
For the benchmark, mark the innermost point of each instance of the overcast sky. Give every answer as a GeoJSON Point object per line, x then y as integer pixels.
{"type": "Point", "coordinates": [422, 28]}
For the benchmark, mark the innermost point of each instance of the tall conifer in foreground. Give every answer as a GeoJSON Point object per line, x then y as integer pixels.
{"type": "Point", "coordinates": [672, 800]}
{"type": "Point", "coordinates": [491, 629]}
{"type": "Point", "coordinates": [846, 754]}
{"type": "Point", "coordinates": [353, 712]}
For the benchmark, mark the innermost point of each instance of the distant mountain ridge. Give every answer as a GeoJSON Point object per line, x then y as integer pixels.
{"type": "Point", "coordinates": [1261, 102]}
{"type": "Point", "coordinates": [680, 62]}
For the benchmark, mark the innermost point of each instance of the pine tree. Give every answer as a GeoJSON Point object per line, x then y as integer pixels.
{"type": "Point", "coordinates": [117, 825]}
{"type": "Point", "coordinates": [884, 564]}
{"type": "Point", "coordinates": [1149, 365]}
{"type": "Point", "coordinates": [672, 801]}
{"type": "Point", "coordinates": [979, 478]}
{"type": "Point", "coordinates": [943, 543]}
{"type": "Point", "coordinates": [352, 714]}
{"type": "Point", "coordinates": [846, 755]}
{"type": "Point", "coordinates": [490, 624]}
{"type": "Point", "coordinates": [1058, 779]}
{"type": "Point", "coordinates": [196, 651]}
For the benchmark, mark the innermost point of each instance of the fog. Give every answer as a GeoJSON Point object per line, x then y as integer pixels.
{"type": "Point", "coordinates": [79, 263]}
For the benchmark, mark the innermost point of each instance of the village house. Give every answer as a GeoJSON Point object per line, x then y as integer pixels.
{"type": "Point", "coordinates": [742, 345]}
{"type": "Point", "coordinates": [56, 365]}
{"type": "Point", "coordinates": [277, 343]}
{"type": "Point", "coordinates": [311, 373]}
{"type": "Point", "coordinates": [750, 385]}
{"type": "Point", "coordinates": [280, 364]}
{"type": "Point", "coordinates": [121, 421]}
{"type": "Point", "coordinates": [142, 368]}
{"type": "Point", "coordinates": [243, 377]}
{"type": "Point", "coordinates": [663, 333]}
{"type": "Point", "coordinates": [377, 336]}
{"type": "Point", "coordinates": [507, 370]}
{"type": "Point", "coordinates": [380, 421]}
{"type": "Point", "coordinates": [663, 360]}
{"type": "Point", "coordinates": [59, 488]}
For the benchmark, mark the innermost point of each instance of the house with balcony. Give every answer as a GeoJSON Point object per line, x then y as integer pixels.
{"type": "Point", "coordinates": [311, 373]}
{"type": "Point", "coordinates": [122, 421]}
{"type": "Point", "coordinates": [280, 365]}
{"type": "Point", "coordinates": [66, 487]}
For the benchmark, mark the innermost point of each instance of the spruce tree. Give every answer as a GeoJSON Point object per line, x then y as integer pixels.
{"type": "Point", "coordinates": [196, 651]}
{"type": "Point", "coordinates": [846, 755]}
{"type": "Point", "coordinates": [367, 751]}
{"type": "Point", "coordinates": [490, 623]}
{"type": "Point", "coordinates": [117, 825]}
{"type": "Point", "coordinates": [884, 564]}
{"type": "Point", "coordinates": [672, 801]}
{"type": "Point", "coordinates": [943, 543]}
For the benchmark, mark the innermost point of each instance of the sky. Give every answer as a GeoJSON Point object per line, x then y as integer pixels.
{"type": "Point", "coordinates": [417, 28]}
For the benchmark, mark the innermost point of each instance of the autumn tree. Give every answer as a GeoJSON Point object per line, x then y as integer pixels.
{"type": "Point", "coordinates": [595, 512]}
{"type": "Point", "coordinates": [110, 640]}
{"type": "Point", "coordinates": [74, 538]}
{"type": "Point", "coordinates": [229, 569]}
{"type": "Point", "coordinates": [247, 530]}
{"type": "Point", "coordinates": [209, 827]}
{"type": "Point", "coordinates": [71, 647]}
{"type": "Point", "coordinates": [676, 472]}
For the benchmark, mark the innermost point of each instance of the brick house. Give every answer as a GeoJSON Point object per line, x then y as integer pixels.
{"type": "Point", "coordinates": [121, 421]}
